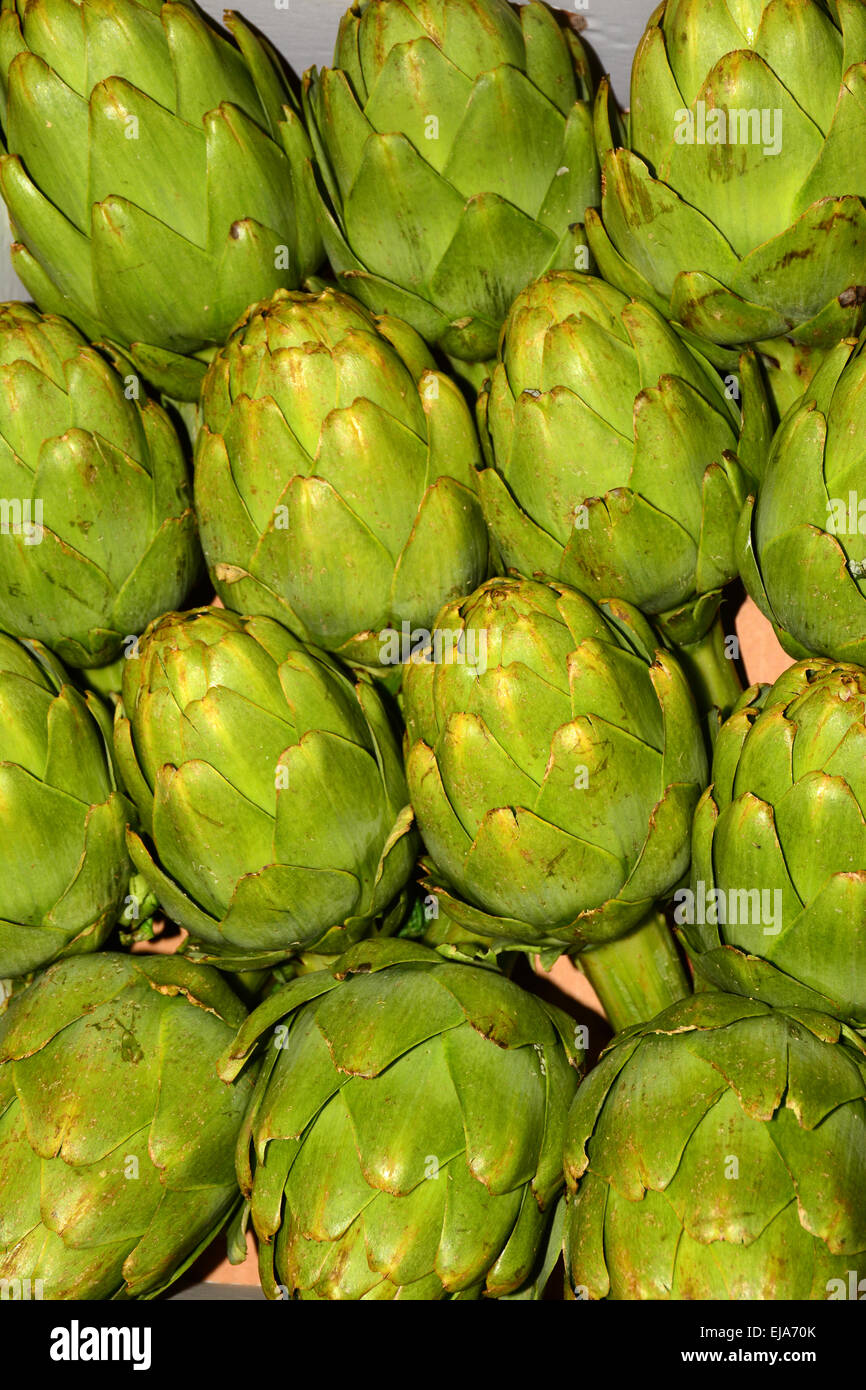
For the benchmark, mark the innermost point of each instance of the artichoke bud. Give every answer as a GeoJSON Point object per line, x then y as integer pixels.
{"type": "Point", "coordinates": [554, 775]}
{"type": "Point", "coordinates": [57, 786]}
{"type": "Point", "coordinates": [118, 1138]}
{"type": "Point", "coordinates": [610, 440]}
{"type": "Point", "coordinates": [719, 1152]}
{"type": "Point", "coordinates": [97, 531]}
{"type": "Point", "coordinates": [457, 158]}
{"type": "Point", "coordinates": [336, 478]}
{"type": "Point", "coordinates": [745, 145]}
{"type": "Point", "coordinates": [271, 795]}
{"type": "Point", "coordinates": [191, 170]}
{"type": "Point", "coordinates": [777, 903]}
{"type": "Point", "coordinates": [802, 545]}
{"type": "Point", "coordinates": [410, 1119]}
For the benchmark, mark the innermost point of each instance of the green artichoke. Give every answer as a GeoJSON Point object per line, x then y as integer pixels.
{"type": "Point", "coordinates": [270, 789]}
{"type": "Point", "coordinates": [405, 1136]}
{"type": "Point", "coordinates": [777, 904]}
{"type": "Point", "coordinates": [335, 477]}
{"type": "Point", "coordinates": [157, 174]}
{"type": "Point", "coordinates": [98, 534]}
{"type": "Point", "coordinates": [619, 461]}
{"type": "Point", "coordinates": [116, 1135]}
{"type": "Point", "coordinates": [66, 871]}
{"type": "Point", "coordinates": [719, 1152]}
{"type": "Point", "coordinates": [455, 145]}
{"type": "Point", "coordinates": [736, 205]}
{"type": "Point", "coordinates": [555, 759]}
{"type": "Point", "coordinates": [802, 546]}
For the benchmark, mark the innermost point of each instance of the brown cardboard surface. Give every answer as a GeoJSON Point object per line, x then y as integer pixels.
{"type": "Point", "coordinates": [762, 656]}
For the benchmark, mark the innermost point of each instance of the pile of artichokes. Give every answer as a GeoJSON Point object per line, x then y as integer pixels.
{"type": "Point", "coordinates": [383, 459]}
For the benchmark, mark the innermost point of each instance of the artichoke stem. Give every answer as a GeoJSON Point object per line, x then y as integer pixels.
{"type": "Point", "coordinates": [712, 674]}
{"type": "Point", "coordinates": [638, 975]}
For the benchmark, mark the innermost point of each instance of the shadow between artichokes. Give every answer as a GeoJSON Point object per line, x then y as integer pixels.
{"type": "Point", "coordinates": [116, 1135]}
{"type": "Point", "coordinates": [270, 788]}
{"type": "Point", "coordinates": [777, 904]}
{"type": "Point", "coordinates": [404, 1140]}
{"type": "Point", "coordinates": [719, 1152]}
{"type": "Point", "coordinates": [554, 760]}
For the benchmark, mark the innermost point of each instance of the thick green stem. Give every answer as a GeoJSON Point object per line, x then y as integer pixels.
{"type": "Point", "coordinates": [711, 672]}
{"type": "Point", "coordinates": [638, 975]}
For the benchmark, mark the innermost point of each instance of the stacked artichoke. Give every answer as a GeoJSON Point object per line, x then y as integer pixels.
{"type": "Point", "coordinates": [409, 667]}
{"type": "Point", "coordinates": [115, 1131]}
{"type": "Point", "coordinates": [734, 202]}
{"type": "Point", "coordinates": [192, 171]}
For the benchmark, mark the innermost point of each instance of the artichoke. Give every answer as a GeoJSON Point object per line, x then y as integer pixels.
{"type": "Point", "coordinates": [802, 546]}
{"type": "Point", "coordinates": [619, 461]}
{"type": "Point", "coordinates": [98, 533]}
{"type": "Point", "coordinates": [157, 174]}
{"type": "Point", "coordinates": [719, 1152]}
{"type": "Point", "coordinates": [555, 759]}
{"type": "Point", "coordinates": [116, 1135]}
{"type": "Point", "coordinates": [66, 871]}
{"type": "Point", "coordinates": [736, 205]}
{"type": "Point", "coordinates": [405, 1136]}
{"type": "Point", "coordinates": [456, 150]}
{"type": "Point", "coordinates": [336, 477]}
{"type": "Point", "coordinates": [777, 905]}
{"type": "Point", "coordinates": [269, 786]}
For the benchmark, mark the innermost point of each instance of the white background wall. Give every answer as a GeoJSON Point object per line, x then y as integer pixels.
{"type": "Point", "coordinates": [304, 31]}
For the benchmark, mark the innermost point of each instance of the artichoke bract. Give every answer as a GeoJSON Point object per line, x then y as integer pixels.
{"type": "Point", "coordinates": [619, 460]}
{"type": "Point", "coordinates": [555, 758]}
{"type": "Point", "coordinates": [270, 789]}
{"type": "Point", "coordinates": [66, 871]}
{"type": "Point", "coordinates": [734, 201]}
{"type": "Point", "coordinates": [98, 534]}
{"type": "Point", "coordinates": [719, 1152]}
{"type": "Point", "coordinates": [404, 1140]}
{"type": "Point", "coordinates": [777, 904]}
{"type": "Point", "coordinates": [157, 174]}
{"type": "Point", "coordinates": [336, 477]}
{"type": "Point", "coordinates": [455, 146]}
{"type": "Point", "coordinates": [802, 545]}
{"type": "Point", "coordinates": [117, 1137]}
